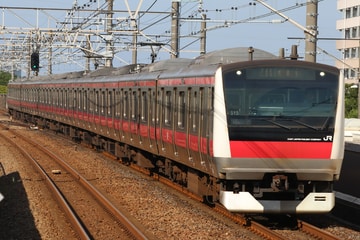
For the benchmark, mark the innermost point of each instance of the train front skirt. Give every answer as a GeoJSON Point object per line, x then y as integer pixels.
{"type": "Point", "coordinates": [244, 202]}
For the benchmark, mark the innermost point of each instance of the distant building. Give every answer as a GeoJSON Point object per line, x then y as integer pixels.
{"type": "Point", "coordinates": [349, 25]}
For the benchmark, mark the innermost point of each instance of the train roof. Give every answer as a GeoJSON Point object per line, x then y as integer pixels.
{"type": "Point", "coordinates": [232, 55]}
{"type": "Point", "coordinates": [201, 65]}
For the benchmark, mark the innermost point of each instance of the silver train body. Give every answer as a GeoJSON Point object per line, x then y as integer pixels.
{"type": "Point", "coordinates": [260, 136]}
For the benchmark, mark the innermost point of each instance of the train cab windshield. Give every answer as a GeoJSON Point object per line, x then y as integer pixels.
{"type": "Point", "coordinates": [280, 102]}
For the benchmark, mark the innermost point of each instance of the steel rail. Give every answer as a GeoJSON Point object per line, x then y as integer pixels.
{"type": "Point", "coordinates": [74, 220]}
{"type": "Point", "coordinates": [133, 230]}
{"type": "Point", "coordinates": [315, 231]}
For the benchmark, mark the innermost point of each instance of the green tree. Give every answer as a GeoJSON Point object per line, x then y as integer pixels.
{"type": "Point", "coordinates": [351, 105]}
{"type": "Point", "coordinates": [4, 80]}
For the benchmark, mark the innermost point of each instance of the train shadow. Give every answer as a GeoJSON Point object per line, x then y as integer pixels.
{"type": "Point", "coordinates": [16, 219]}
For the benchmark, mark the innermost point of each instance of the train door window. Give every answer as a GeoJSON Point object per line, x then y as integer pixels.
{"type": "Point", "coordinates": [70, 98]}
{"type": "Point", "coordinates": [66, 97]}
{"type": "Point", "coordinates": [144, 106]}
{"type": "Point", "coordinates": [54, 98]}
{"type": "Point", "coordinates": [61, 97]}
{"type": "Point", "coordinates": [167, 113]}
{"type": "Point", "coordinates": [117, 104]}
{"type": "Point", "coordinates": [181, 110]}
{"type": "Point", "coordinates": [40, 96]}
{"type": "Point", "coordinates": [90, 100]}
{"type": "Point", "coordinates": [200, 106]}
{"type": "Point", "coordinates": [194, 111]}
{"type": "Point", "coordinates": [97, 100]}
{"type": "Point", "coordinates": [134, 105]}
{"type": "Point", "coordinates": [57, 96]}
{"type": "Point", "coordinates": [102, 102]}
{"type": "Point", "coordinates": [159, 103]}
{"type": "Point", "coordinates": [50, 96]}
{"type": "Point", "coordinates": [152, 95]}
{"type": "Point", "coordinates": [85, 100]}
{"type": "Point", "coordinates": [126, 104]}
{"type": "Point", "coordinates": [79, 97]}
{"type": "Point", "coordinates": [110, 102]}
{"type": "Point", "coordinates": [45, 96]}
{"type": "Point", "coordinates": [75, 103]}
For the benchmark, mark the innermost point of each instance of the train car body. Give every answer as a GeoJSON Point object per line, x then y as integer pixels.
{"type": "Point", "coordinates": [261, 136]}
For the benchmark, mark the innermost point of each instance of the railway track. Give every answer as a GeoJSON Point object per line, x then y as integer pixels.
{"type": "Point", "coordinates": [85, 225]}
{"type": "Point", "coordinates": [303, 227]}
{"type": "Point", "coordinates": [255, 227]}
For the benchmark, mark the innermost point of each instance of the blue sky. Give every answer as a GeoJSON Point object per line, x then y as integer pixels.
{"type": "Point", "coordinates": [259, 33]}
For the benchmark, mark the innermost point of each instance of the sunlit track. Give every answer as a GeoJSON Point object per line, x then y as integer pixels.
{"type": "Point", "coordinates": [127, 228]}
{"type": "Point", "coordinates": [314, 231]}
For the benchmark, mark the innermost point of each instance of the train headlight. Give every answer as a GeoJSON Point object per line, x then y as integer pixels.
{"type": "Point", "coordinates": [238, 72]}
{"type": "Point", "coordinates": [322, 74]}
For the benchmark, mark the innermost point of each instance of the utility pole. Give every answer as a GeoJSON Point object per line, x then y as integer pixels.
{"type": "Point", "coordinates": [175, 15]}
{"type": "Point", "coordinates": [50, 54]}
{"type": "Point", "coordinates": [109, 40]}
{"type": "Point", "coordinates": [311, 32]}
{"type": "Point", "coordinates": [203, 35]}
{"type": "Point", "coordinates": [311, 25]}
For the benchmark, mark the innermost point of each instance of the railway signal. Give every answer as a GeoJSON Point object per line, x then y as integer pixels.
{"type": "Point", "coordinates": [35, 61]}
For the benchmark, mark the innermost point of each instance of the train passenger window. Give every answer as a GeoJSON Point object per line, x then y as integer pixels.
{"type": "Point", "coordinates": [167, 117]}
{"type": "Point", "coordinates": [181, 108]}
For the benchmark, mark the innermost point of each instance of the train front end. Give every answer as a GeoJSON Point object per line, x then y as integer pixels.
{"type": "Point", "coordinates": [278, 135]}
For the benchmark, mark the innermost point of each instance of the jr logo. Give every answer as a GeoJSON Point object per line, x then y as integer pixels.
{"type": "Point", "coordinates": [327, 138]}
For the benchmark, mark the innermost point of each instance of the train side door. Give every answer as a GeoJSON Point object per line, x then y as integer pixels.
{"type": "Point", "coordinates": [207, 123]}
{"type": "Point", "coordinates": [195, 126]}
{"type": "Point", "coordinates": [160, 112]}
{"type": "Point", "coordinates": [153, 120]}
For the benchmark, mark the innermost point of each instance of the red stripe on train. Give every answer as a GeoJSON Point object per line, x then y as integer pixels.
{"type": "Point", "coordinates": [259, 149]}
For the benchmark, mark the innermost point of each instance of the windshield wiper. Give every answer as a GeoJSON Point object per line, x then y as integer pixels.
{"type": "Point", "coordinates": [305, 124]}
{"type": "Point", "coordinates": [278, 124]}
{"type": "Point", "coordinates": [297, 121]}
